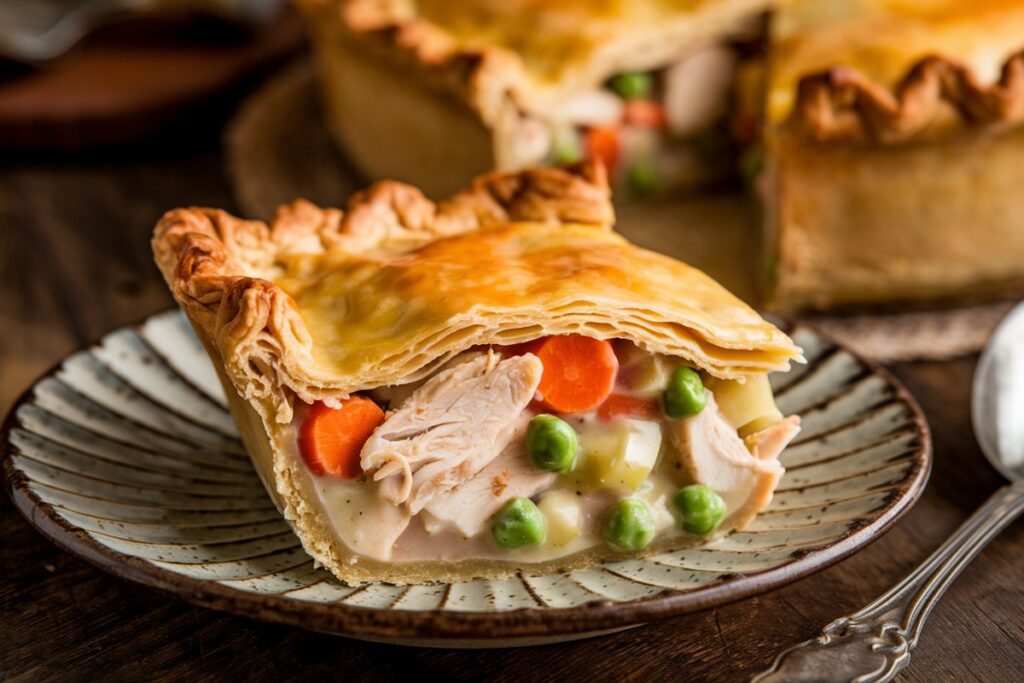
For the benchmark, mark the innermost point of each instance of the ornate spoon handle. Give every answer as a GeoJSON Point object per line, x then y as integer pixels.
{"type": "Point", "coordinates": [874, 644]}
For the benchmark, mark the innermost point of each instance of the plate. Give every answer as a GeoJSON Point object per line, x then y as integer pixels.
{"type": "Point", "coordinates": [126, 456]}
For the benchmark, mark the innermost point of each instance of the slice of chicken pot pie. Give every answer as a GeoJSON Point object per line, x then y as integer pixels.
{"type": "Point", "coordinates": [491, 384]}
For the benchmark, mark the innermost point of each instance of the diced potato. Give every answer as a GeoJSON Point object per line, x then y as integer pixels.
{"type": "Point", "coordinates": [621, 454]}
{"type": "Point", "coordinates": [745, 403]}
{"type": "Point", "coordinates": [562, 512]}
{"type": "Point", "coordinates": [644, 374]}
{"type": "Point", "coordinates": [657, 492]}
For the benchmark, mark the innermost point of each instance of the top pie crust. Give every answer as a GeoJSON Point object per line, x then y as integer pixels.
{"type": "Point", "coordinates": [323, 303]}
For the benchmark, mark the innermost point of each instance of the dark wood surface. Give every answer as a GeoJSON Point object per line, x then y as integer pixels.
{"type": "Point", "coordinates": [74, 263]}
{"type": "Point", "coordinates": [128, 80]}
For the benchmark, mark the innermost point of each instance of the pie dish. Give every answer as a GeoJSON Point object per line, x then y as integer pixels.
{"type": "Point", "coordinates": [434, 92]}
{"type": "Point", "coordinates": [492, 384]}
{"type": "Point", "coordinates": [913, 113]}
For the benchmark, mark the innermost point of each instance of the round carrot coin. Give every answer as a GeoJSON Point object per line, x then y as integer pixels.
{"type": "Point", "coordinates": [331, 439]}
{"type": "Point", "coordinates": [579, 372]}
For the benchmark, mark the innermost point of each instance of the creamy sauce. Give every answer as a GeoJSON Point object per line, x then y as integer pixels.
{"type": "Point", "coordinates": [369, 525]}
{"type": "Point", "coordinates": [358, 517]}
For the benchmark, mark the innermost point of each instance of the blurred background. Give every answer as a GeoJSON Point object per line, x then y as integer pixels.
{"type": "Point", "coordinates": [114, 111]}
{"type": "Point", "coordinates": [111, 112]}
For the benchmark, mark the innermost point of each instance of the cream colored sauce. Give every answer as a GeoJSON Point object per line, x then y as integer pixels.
{"type": "Point", "coordinates": [360, 518]}
{"type": "Point", "coordinates": [368, 525]}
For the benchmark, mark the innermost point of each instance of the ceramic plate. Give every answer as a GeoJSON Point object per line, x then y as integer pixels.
{"type": "Point", "coordinates": [126, 456]}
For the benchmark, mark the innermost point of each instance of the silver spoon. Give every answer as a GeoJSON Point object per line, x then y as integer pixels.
{"type": "Point", "coordinates": [875, 643]}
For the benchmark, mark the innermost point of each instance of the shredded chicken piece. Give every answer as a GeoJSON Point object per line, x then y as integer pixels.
{"type": "Point", "coordinates": [713, 454]}
{"type": "Point", "coordinates": [451, 427]}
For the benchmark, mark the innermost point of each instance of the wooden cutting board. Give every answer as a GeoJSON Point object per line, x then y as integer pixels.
{"type": "Point", "coordinates": [127, 82]}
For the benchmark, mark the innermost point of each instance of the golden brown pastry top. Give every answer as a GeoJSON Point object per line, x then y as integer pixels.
{"type": "Point", "coordinates": [321, 303]}
{"type": "Point", "coordinates": [895, 70]}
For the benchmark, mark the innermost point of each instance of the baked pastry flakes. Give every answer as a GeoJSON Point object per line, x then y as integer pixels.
{"type": "Point", "coordinates": [491, 384]}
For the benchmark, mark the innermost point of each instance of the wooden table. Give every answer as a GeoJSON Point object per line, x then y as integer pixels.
{"type": "Point", "coordinates": [74, 263]}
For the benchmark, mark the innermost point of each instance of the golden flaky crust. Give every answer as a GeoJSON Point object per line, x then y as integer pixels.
{"type": "Point", "coordinates": [412, 289]}
{"type": "Point", "coordinates": [218, 266]}
{"type": "Point", "coordinates": [841, 104]}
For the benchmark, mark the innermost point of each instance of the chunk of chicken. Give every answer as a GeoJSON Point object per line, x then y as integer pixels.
{"type": "Point", "coordinates": [467, 507]}
{"type": "Point", "coordinates": [450, 428]}
{"type": "Point", "coordinates": [714, 455]}
{"type": "Point", "coordinates": [769, 443]}
{"type": "Point", "coordinates": [697, 89]}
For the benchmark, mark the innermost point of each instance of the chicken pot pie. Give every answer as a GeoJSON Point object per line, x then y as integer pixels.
{"type": "Point", "coordinates": [893, 152]}
{"type": "Point", "coordinates": [434, 92]}
{"type": "Point", "coordinates": [491, 384]}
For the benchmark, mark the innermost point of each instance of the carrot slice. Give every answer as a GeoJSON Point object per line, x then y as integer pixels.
{"type": "Point", "coordinates": [579, 372]}
{"type": "Point", "coordinates": [331, 438]}
{"type": "Point", "coordinates": [644, 114]}
{"type": "Point", "coordinates": [624, 405]}
{"type": "Point", "coordinates": [602, 144]}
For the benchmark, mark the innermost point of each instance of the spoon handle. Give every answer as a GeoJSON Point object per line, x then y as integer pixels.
{"type": "Point", "coordinates": [874, 643]}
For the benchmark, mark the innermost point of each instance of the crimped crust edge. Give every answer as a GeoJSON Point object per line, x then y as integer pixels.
{"type": "Point", "coordinates": [842, 105]}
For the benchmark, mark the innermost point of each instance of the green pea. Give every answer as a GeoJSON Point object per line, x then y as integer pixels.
{"type": "Point", "coordinates": [684, 395]}
{"type": "Point", "coordinates": [630, 525]}
{"type": "Point", "coordinates": [552, 443]}
{"type": "Point", "coordinates": [634, 85]}
{"type": "Point", "coordinates": [566, 153]}
{"type": "Point", "coordinates": [519, 523]}
{"type": "Point", "coordinates": [642, 179]}
{"type": "Point", "coordinates": [702, 509]}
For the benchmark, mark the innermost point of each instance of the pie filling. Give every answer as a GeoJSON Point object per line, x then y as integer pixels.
{"type": "Point", "coordinates": [543, 450]}
{"type": "Point", "coordinates": [656, 130]}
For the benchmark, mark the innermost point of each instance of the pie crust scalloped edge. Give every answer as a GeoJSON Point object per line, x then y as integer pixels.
{"type": "Point", "coordinates": [842, 105]}
{"type": "Point", "coordinates": [207, 255]}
